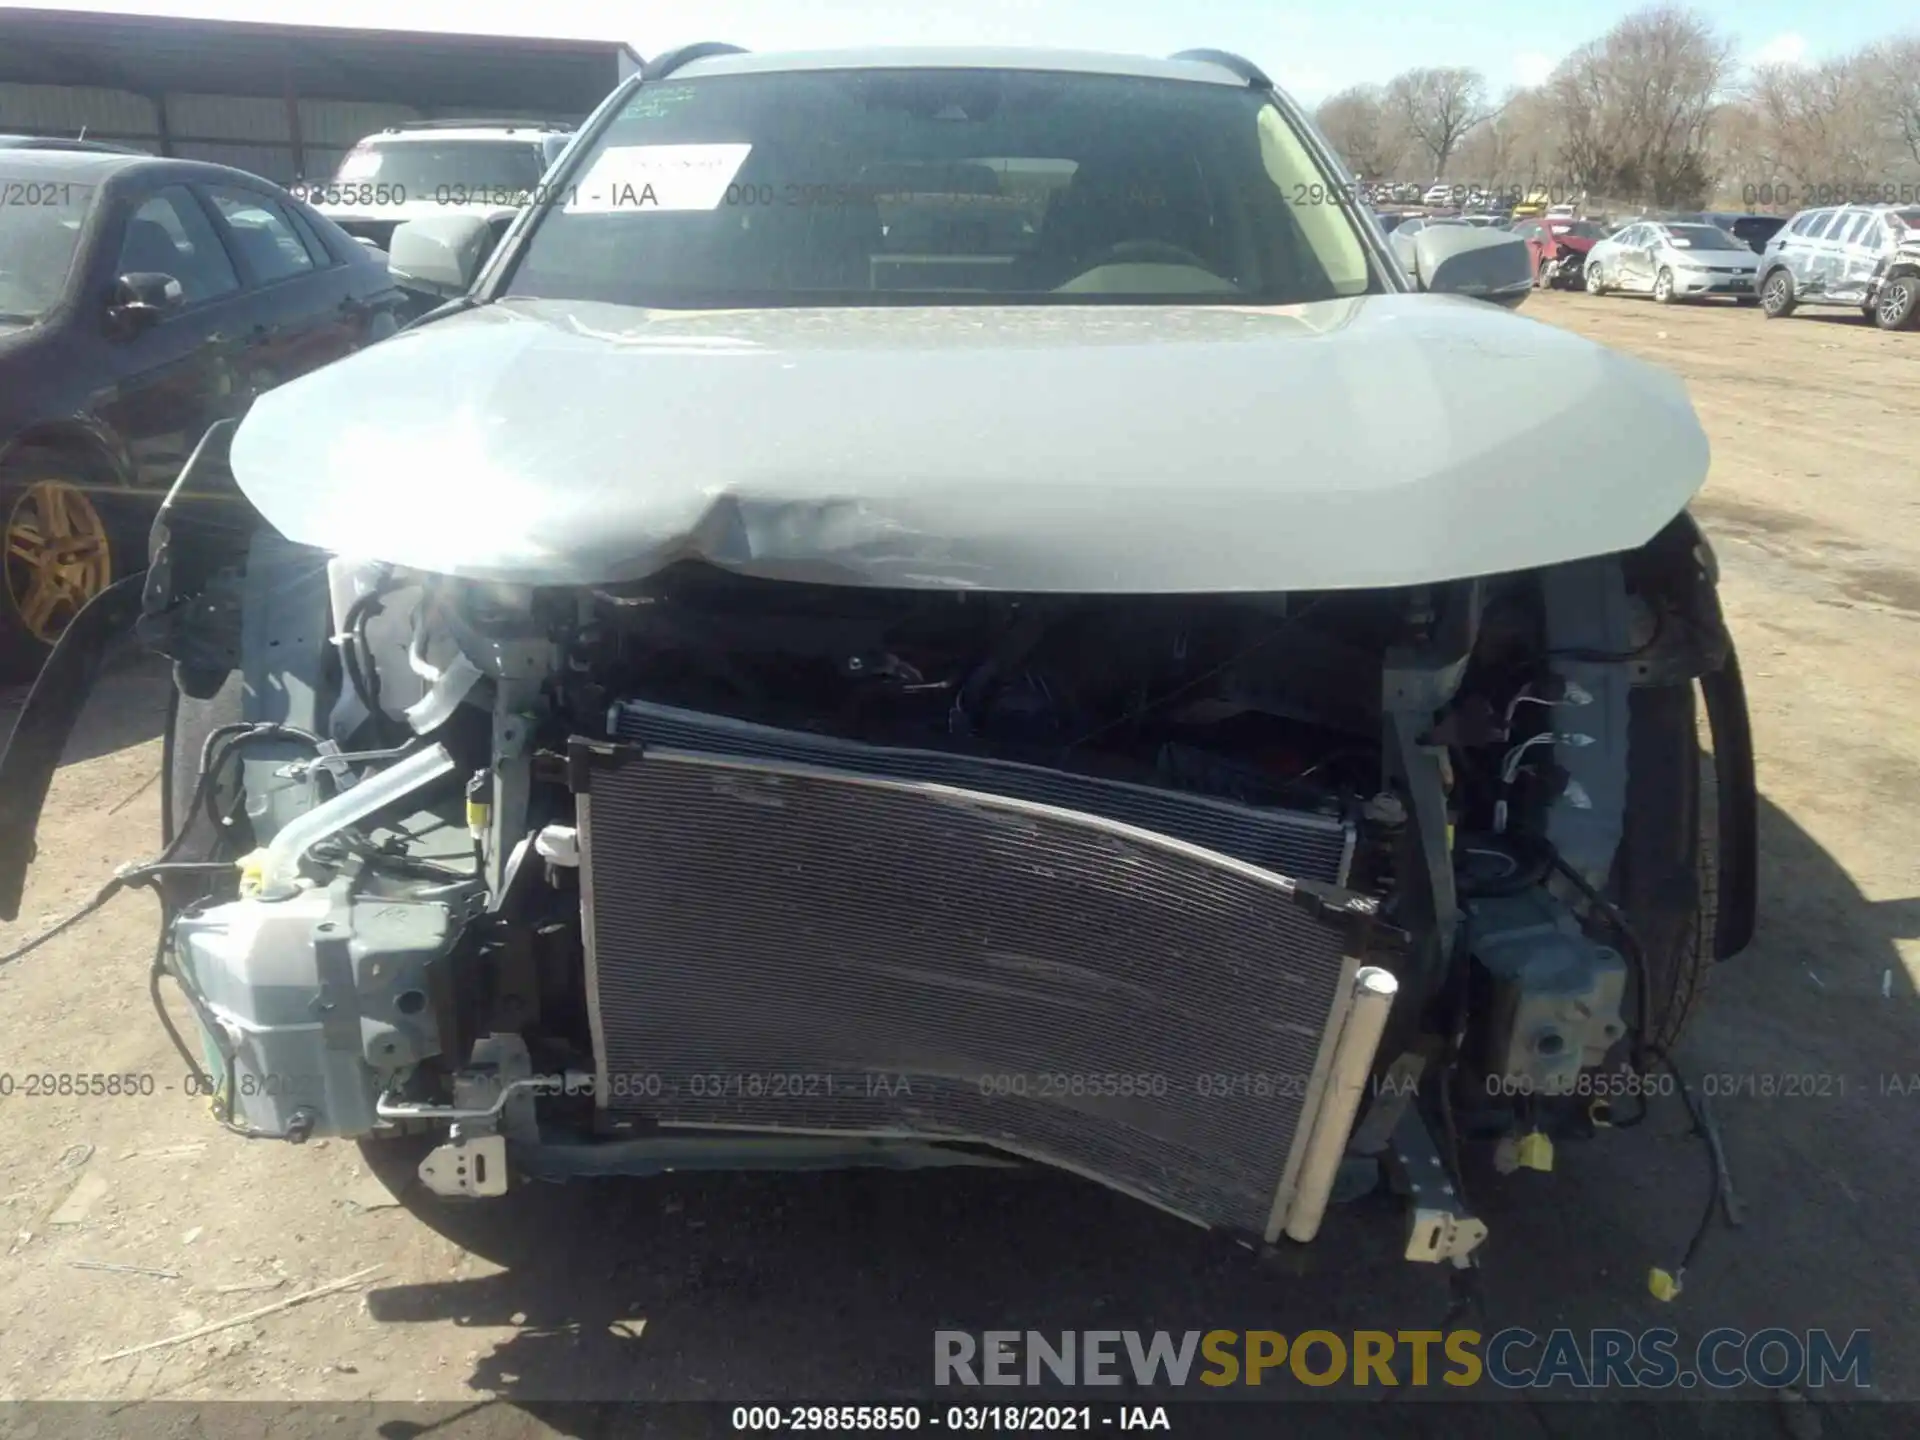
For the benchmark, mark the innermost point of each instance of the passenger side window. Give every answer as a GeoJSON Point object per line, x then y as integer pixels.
{"type": "Point", "coordinates": [1807, 223]}
{"type": "Point", "coordinates": [1830, 228]}
{"type": "Point", "coordinates": [316, 247]}
{"type": "Point", "coordinates": [1856, 227]}
{"type": "Point", "coordinates": [170, 235]}
{"type": "Point", "coordinates": [262, 233]}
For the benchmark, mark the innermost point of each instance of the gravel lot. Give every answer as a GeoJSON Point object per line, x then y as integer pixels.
{"type": "Point", "coordinates": [828, 1287]}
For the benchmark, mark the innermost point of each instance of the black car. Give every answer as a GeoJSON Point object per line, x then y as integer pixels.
{"type": "Point", "coordinates": [141, 300]}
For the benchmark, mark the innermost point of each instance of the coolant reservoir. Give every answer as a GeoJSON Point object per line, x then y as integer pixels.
{"type": "Point", "coordinates": [306, 991]}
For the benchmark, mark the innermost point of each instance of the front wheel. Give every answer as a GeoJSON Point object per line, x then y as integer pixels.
{"type": "Point", "coordinates": [1596, 280]}
{"type": "Point", "coordinates": [1897, 307]}
{"type": "Point", "coordinates": [1663, 287]}
{"type": "Point", "coordinates": [1776, 296]}
{"type": "Point", "coordinates": [59, 555]}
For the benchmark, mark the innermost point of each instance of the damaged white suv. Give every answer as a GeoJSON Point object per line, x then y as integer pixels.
{"type": "Point", "coordinates": [892, 623]}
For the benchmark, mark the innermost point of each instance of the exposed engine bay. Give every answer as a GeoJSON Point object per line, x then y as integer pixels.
{"type": "Point", "coordinates": [1241, 904]}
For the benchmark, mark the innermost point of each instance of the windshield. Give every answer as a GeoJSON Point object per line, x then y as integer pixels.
{"type": "Point", "coordinates": [444, 170]}
{"type": "Point", "coordinates": [40, 222]}
{"type": "Point", "coordinates": [1702, 237]}
{"type": "Point", "coordinates": [945, 187]}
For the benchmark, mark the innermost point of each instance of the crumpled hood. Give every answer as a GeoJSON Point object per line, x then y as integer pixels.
{"type": "Point", "coordinates": [1390, 440]}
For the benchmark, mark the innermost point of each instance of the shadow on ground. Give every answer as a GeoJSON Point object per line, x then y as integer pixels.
{"type": "Point", "coordinates": [756, 1287]}
{"type": "Point", "coordinates": [128, 707]}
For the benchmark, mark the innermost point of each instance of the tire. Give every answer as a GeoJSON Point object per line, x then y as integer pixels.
{"type": "Point", "coordinates": [1897, 307]}
{"type": "Point", "coordinates": [49, 498]}
{"type": "Point", "coordinates": [1776, 296]}
{"type": "Point", "coordinates": [1596, 279]}
{"type": "Point", "coordinates": [1663, 287]}
{"type": "Point", "coordinates": [1666, 877]}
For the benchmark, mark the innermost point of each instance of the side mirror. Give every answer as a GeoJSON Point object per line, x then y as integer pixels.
{"type": "Point", "coordinates": [440, 254]}
{"type": "Point", "coordinates": [142, 299]}
{"type": "Point", "coordinates": [552, 147]}
{"type": "Point", "coordinates": [1468, 260]}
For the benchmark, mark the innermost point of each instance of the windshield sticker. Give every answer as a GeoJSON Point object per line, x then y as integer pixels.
{"type": "Point", "coordinates": [653, 102]}
{"type": "Point", "coordinates": [1679, 242]}
{"type": "Point", "coordinates": [657, 177]}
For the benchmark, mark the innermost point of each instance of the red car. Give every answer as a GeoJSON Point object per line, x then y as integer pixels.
{"type": "Point", "coordinates": [1559, 248]}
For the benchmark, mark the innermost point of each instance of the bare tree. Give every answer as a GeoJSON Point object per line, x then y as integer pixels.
{"type": "Point", "coordinates": [1818, 124]}
{"type": "Point", "coordinates": [1738, 156]}
{"type": "Point", "coordinates": [1356, 124]}
{"type": "Point", "coordinates": [1893, 79]}
{"type": "Point", "coordinates": [1634, 107]}
{"type": "Point", "coordinates": [1514, 147]}
{"type": "Point", "coordinates": [1437, 107]}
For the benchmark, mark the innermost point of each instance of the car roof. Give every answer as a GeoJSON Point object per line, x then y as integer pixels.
{"type": "Point", "coordinates": [528, 135]}
{"type": "Point", "coordinates": [91, 166]}
{"type": "Point", "coordinates": [61, 143]}
{"type": "Point", "coordinates": [962, 57]}
{"type": "Point", "coordinates": [95, 167]}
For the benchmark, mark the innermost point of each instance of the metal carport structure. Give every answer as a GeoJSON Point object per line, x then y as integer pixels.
{"type": "Point", "coordinates": [283, 101]}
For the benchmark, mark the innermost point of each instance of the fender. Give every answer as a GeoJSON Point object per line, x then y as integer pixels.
{"type": "Point", "coordinates": [81, 434]}
{"type": "Point", "coordinates": [40, 734]}
{"type": "Point", "coordinates": [196, 554]}
{"type": "Point", "coordinates": [205, 512]}
{"type": "Point", "coordinates": [1681, 562]}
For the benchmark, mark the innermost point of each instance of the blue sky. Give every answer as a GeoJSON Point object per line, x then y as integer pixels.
{"type": "Point", "coordinates": [1312, 50]}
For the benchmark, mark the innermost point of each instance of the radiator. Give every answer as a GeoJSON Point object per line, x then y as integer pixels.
{"type": "Point", "coordinates": [1298, 843]}
{"type": "Point", "coordinates": [779, 946]}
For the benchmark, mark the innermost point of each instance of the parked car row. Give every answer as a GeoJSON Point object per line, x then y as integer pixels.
{"type": "Point", "coordinates": [1863, 257]}
{"type": "Point", "coordinates": [142, 299]}
{"type": "Point", "coordinates": [1860, 257]}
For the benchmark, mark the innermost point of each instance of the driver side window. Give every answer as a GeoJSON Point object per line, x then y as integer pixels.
{"type": "Point", "coordinates": [170, 235]}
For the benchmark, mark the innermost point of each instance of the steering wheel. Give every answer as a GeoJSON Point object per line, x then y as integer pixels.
{"type": "Point", "coordinates": [1147, 252]}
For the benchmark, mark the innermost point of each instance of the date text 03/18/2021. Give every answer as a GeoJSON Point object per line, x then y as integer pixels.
{"type": "Point", "coordinates": [957, 1419]}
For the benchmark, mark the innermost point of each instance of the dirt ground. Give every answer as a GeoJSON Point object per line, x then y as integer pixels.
{"type": "Point", "coordinates": [828, 1287]}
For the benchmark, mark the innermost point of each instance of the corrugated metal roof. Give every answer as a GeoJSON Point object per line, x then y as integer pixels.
{"type": "Point", "coordinates": [63, 110]}
{"type": "Point", "coordinates": [151, 55]}
{"type": "Point", "coordinates": [339, 124]}
{"type": "Point", "coordinates": [228, 117]}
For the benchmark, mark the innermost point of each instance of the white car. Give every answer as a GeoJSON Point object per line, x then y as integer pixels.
{"type": "Point", "coordinates": [436, 167]}
{"type": "Point", "coordinates": [781, 589]}
{"type": "Point", "coordinates": [1438, 193]}
{"type": "Point", "coordinates": [1673, 262]}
